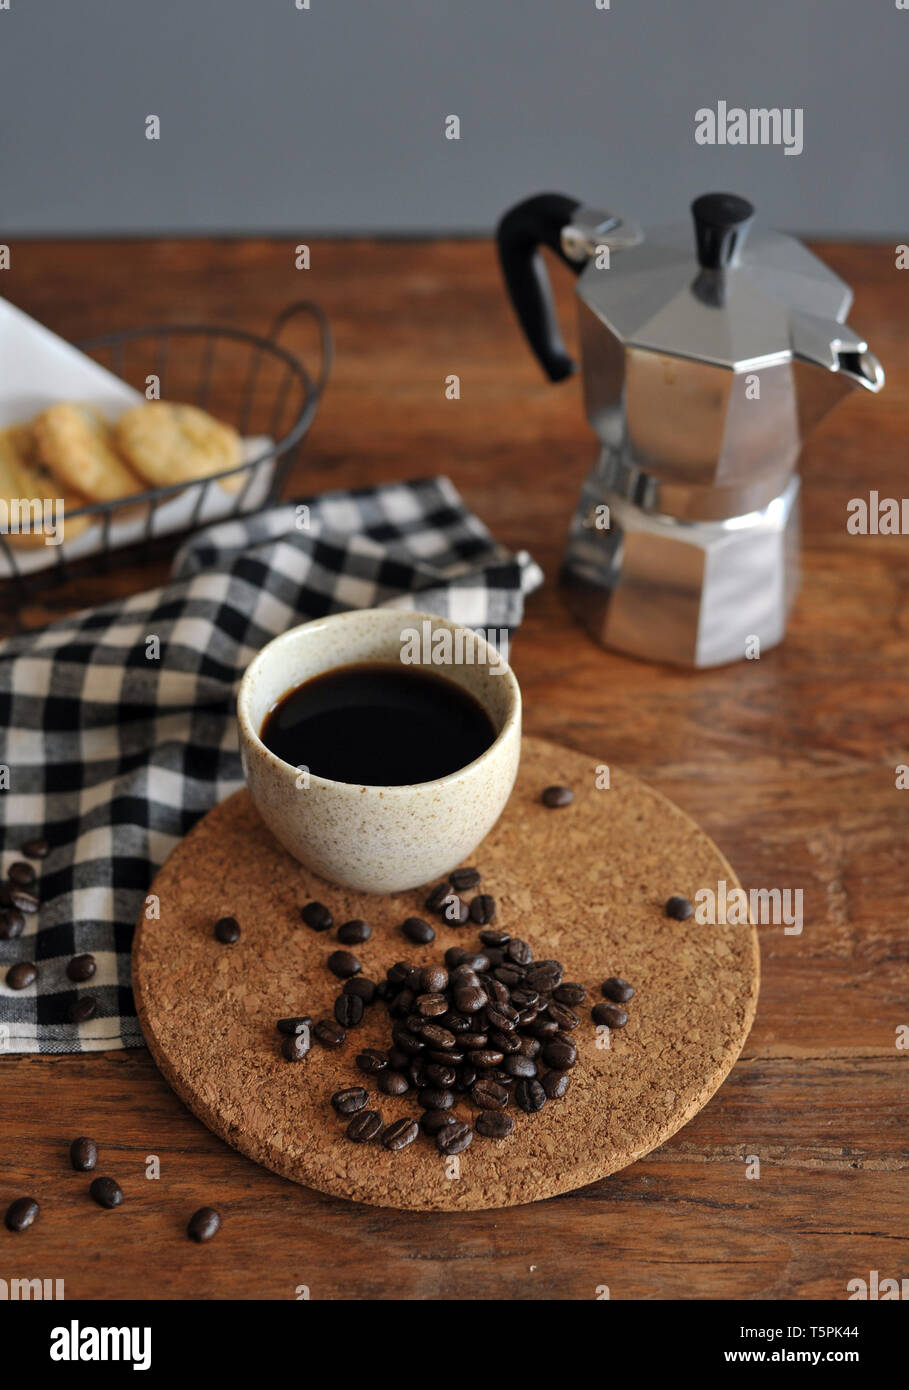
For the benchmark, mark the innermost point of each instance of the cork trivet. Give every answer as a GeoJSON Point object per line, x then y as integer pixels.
{"type": "Point", "coordinates": [585, 884]}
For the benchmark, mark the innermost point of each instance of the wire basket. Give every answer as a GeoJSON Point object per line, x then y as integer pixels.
{"type": "Point", "coordinates": [248, 381]}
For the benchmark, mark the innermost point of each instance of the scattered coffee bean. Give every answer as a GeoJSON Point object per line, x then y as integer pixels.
{"type": "Point", "coordinates": [364, 1126]}
{"type": "Point", "coordinates": [82, 1009]}
{"type": "Point", "coordinates": [106, 1192]}
{"type": "Point", "coordinates": [203, 1224]}
{"type": "Point", "coordinates": [489, 1095]}
{"type": "Point", "coordinates": [22, 874]}
{"type": "Point", "coordinates": [329, 1033]}
{"type": "Point", "coordinates": [295, 1046]}
{"type": "Point", "coordinates": [301, 1024]}
{"type": "Point", "coordinates": [678, 908]}
{"type": "Point", "coordinates": [81, 968]}
{"type": "Point", "coordinates": [530, 1096]}
{"type": "Point", "coordinates": [348, 1010]}
{"type": "Point", "coordinates": [399, 1134]}
{"type": "Point", "coordinates": [437, 898]}
{"type": "Point", "coordinates": [359, 985]}
{"type": "Point", "coordinates": [343, 964]}
{"type": "Point", "coordinates": [518, 951]}
{"type": "Point", "coordinates": [393, 1083]}
{"type": "Point", "coordinates": [21, 975]}
{"type": "Point", "coordinates": [354, 931]}
{"type": "Point", "coordinates": [483, 909]}
{"type": "Point", "coordinates": [616, 989]}
{"type": "Point", "coordinates": [462, 879]}
{"type": "Point", "coordinates": [454, 1138]}
{"type": "Point", "coordinates": [317, 916]}
{"type": "Point", "coordinates": [495, 1124]}
{"type": "Point", "coordinates": [570, 994]}
{"type": "Point", "coordinates": [418, 931]}
{"type": "Point", "coordinates": [609, 1014]}
{"type": "Point", "coordinates": [12, 923]}
{"type": "Point", "coordinates": [348, 1102]}
{"type": "Point", "coordinates": [21, 1214]}
{"type": "Point", "coordinates": [555, 1083]}
{"type": "Point", "coordinates": [491, 936]}
{"type": "Point", "coordinates": [227, 930]}
{"type": "Point", "coordinates": [83, 1154]}
{"type": "Point", "coordinates": [21, 899]}
{"type": "Point", "coordinates": [554, 797]}
{"type": "Point", "coordinates": [431, 1121]}
{"type": "Point", "coordinates": [35, 849]}
{"type": "Point", "coordinates": [455, 910]}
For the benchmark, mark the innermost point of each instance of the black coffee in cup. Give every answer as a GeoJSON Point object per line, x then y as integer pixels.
{"type": "Point", "coordinates": [378, 724]}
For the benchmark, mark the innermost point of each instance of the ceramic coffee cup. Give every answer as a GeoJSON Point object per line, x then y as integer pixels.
{"type": "Point", "coordinates": [380, 839]}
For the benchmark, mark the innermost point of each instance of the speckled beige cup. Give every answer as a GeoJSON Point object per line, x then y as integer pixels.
{"type": "Point", "coordinates": [377, 839]}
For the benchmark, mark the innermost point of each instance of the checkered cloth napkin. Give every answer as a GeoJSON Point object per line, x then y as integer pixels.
{"type": "Point", "coordinates": [113, 756]}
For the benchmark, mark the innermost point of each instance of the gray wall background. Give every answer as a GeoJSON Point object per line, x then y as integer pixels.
{"type": "Point", "coordinates": [330, 119]}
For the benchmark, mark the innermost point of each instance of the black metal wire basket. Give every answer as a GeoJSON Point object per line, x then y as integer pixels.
{"type": "Point", "coordinates": [262, 389]}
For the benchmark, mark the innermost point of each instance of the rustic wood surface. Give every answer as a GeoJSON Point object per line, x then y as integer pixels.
{"type": "Point", "coordinates": [788, 762]}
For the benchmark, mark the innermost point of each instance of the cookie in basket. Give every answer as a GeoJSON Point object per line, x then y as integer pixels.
{"type": "Point", "coordinates": [168, 444]}
{"type": "Point", "coordinates": [24, 478]}
{"type": "Point", "coordinates": [75, 443]}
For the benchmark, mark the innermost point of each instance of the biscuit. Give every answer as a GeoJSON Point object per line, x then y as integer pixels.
{"type": "Point", "coordinates": [23, 477]}
{"type": "Point", "coordinates": [75, 443]}
{"type": "Point", "coordinates": [170, 444]}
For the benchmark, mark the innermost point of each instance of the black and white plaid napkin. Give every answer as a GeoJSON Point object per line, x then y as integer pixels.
{"type": "Point", "coordinates": [117, 725]}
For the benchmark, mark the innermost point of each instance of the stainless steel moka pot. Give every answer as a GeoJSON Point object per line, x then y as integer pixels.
{"type": "Point", "coordinates": [708, 354]}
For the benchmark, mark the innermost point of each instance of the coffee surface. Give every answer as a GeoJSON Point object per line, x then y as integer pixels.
{"type": "Point", "coordinates": [378, 724]}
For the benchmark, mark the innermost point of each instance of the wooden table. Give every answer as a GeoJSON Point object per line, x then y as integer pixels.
{"type": "Point", "coordinates": [789, 762]}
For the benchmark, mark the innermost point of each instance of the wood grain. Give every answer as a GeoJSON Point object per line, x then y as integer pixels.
{"type": "Point", "coordinates": [788, 762]}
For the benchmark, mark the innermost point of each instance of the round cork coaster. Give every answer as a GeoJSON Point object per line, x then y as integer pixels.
{"type": "Point", "coordinates": [585, 884]}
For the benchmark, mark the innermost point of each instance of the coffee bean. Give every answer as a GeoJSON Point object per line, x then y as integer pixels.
{"type": "Point", "coordinates": [438, 1038]}
{"type": "Point", "coordinates": [83, 1154]}
{"type": "Point", "coordinates": [354, 931]}
{"type": "Point", "coordinates": [555, 1083]}
{"type": "Point", "coordinates": [203, 1224]}
{"type": "Point", "coordinates": [438, 1074]}
{"type": "Point", "coordinates": [491, 937]}
{"type": "Point", "coordinates": [399, 973]}
{"type": "Point", "coordinates": [508, 975]}
{"type": "Point", "coordinates": [433, 979]}
{"type": "Point", "coordinates": [505, 1043]}
{"type": "Point", "coordinates": [531, 1047]}
{"type": "Point", "coordinates": [295, 1046]}
{"type": "Point", "coordinates": [470, 998]}
{"type": "Point", "coordinates": [485, 1057]}
{"type": "Point", "coordinates": [82, 1009]}
{"type": "Point", "coordinates": [12, 923]}
{"type": "Point", "coordinates": [454, 955]}
{"type": "Point", "coordinates": [471, 1041]}
{"type": "Point", "coordinates": [678, 908]}
{"type": "Point", "coordinates": [106, 1192]}
{"type": "Point", "coordinates": [483, 909]}
{"type": "Point", "coordinates": [81, 968]}
{"type": "Point", "coordinates": [476, 960]}
{"type": "Point", "coordinates": [20, 873]}
{"type": "Point", "coordinates": [435, 1098]}
{"type": "Point", "coordinates": [349, 1101]}
{"type": "Point", "coordinates": [436, 900]}
{"type": "Point", "coordinates": [300, 1024]}
{"type": "Point", "coordinates": [542, 1028]}
{"type": "Point", "coordinates": [21, 1214]}
{"type": "Point", "coordinates": [364, 1126]}
{"type": "Point", "coordinates": [343, 964]}
{"type": "Point", "coordinates": [561, 1056]}
{"type": "Point", "coordinates": [399, 1134]}
{"type": "Point", "coordinates": [609, 1014]}
{"type": "Point", "coordinates": [454, 1138]}
{"type": "Point", "coordinates": [455, 910]}
{"type": "Point", "coordinates": [561, 1014]}
{"type": "Point", "coordinates": [317, 916]}
{"type": "Point", "coordinates": [361, 987]}
{"type": "Point", "coordinates": [20, 898]}
{"type": "Point", "coordinates": [495, 1124]}
{"type": "Point", "coordinates": [372, 1061]}
{"type": "Point", "coordinates": [553, 797]}
{"type": "Point", "coordinates": [21, 975]}
{"type": "Point", "coordinates": [431, 1121]}
{"type": "Point", "coordinates": [489, 1095]}
{"type": "Point", "coordinates": [227, 930]}
{"type": "Point", "coordinates": [462, 879]}
{"type": "Point", "coordinates": [431, 1005]}
{"type": "Point", "coordinates": [35, 849]}
{"type": "Point", "coordinates": [519, 1066]}
{"type": "Point", "coordinates": [348, 1010]}
{"type": "Point", "coordinates": [530, 1095]}
{"type": "Point", "coordinates": [544, 976]}
{"type": "Point", "coordinates": [329, 1034]}
{"type": "Point", "coordinates": [519, 952]}
{"type": "Point", "coordinates": [570, 994]}
{"type": "Point", "coordinates": [407, 1041]}
{"type": "Point", "coordinates": [393, 1083]}
{"type": "Point", "coordinates": [616, 989]}
{"type": "Point", "coordinates": [418, 931]}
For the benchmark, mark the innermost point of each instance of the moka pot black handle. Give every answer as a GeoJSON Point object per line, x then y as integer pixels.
{"type": "Point", "coordinates": [536, 222]}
